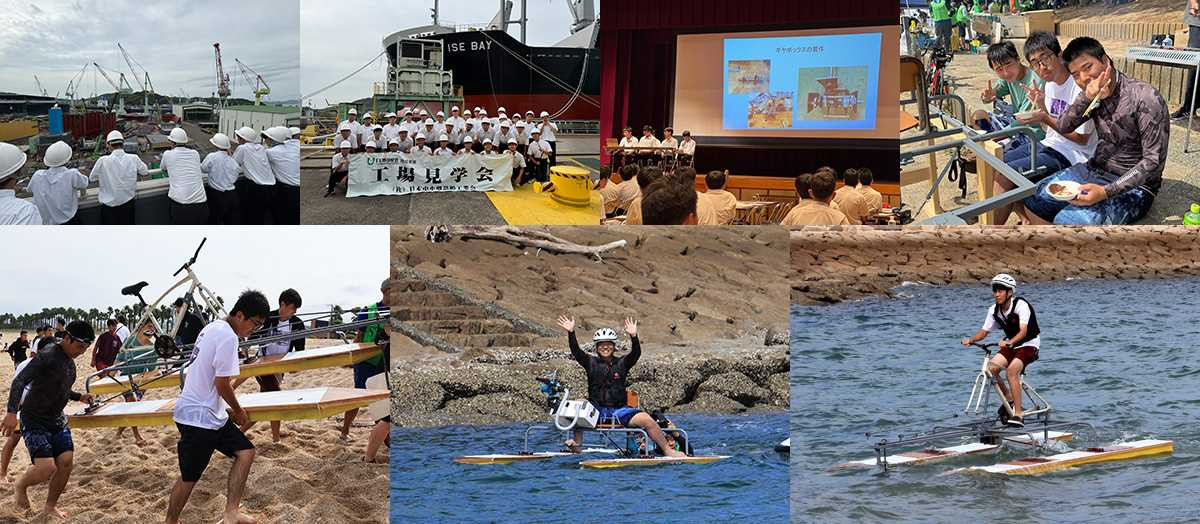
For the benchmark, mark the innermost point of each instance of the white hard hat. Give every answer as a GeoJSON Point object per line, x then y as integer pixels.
{"type": "Point", "coordinates": [477, 108]}
{"type": "Point", "coordinates": [1006, 280]}
{"type": "Point", "coordinates": [484, 121]}
{"type": "Point", "coordinates": [367, 115]}
{"type": "Point", "coordinates": [605, 335]}
{"type": "Point", "coordinates": [466, 111]}
{"type": "Point", "coordinates": [408, 111]}
{"type": "Point", "coordinates": [57, 154]}
{"type": "Point", "coordinates": [512, 141]}
{"type": "Point", "coordinates": [520, 124]}
{"type": "Point", "coordinates": [377, 128]}
{"type": "Point", "coordinates": [505, 123]}
{"type": "Point", "coordinates": [114, 136]}
{"type": "Point", "coordinates": [501, 109]}
{"type": "Point", "coordinates": [429, 121]}
{"type": "Point", "coordinates": [420, 136]}
{"type": "Point", "coordinates": [248, 134]}
{"type": "Point", "coordinates": [449, 123]}
{"type": "Point", "coordinates": [545, 113]}
{"type": "Point", "coordinates": [443, 138]}
{"type": "Point", "coordinates": [277, 134]}
{"type": "Point", "coordinates": [424, 112]}
{"type": "Point", "coordinates": [535, 131]}
{"type": "Point", "coordinates": [12, 159]}
{"type": "Point", "coordinates": [295, 130]}
{"type": "Point", "coordinates": [344, 145]}
{"type": "Point", "coordinates": [487, 141]}
{"type": "Point", "coordinates": [390, 115]}
{"type": "Point", "coordinates": [470, 121]}
{"type": "Point", "coordinates": [529, 112]}
{"type": "Point", "coordinates": [453, 109]}
{"type": "Point", "coordinates": [403, 130]}
{"type": "Point", "coordinates": [352, 111]}
{"type": "Point", "coordinates": [178, 135]}
{"type": "Point", "coordinates": [370, 144]}
{"type": "Point", "coordinates": [503, 115]}
{"type": "Point", "coordinates": [482, 110]}
{"type": "Point", "coordinates": [394, 141]}
{"type": "Point", "coordinates": [341, 127]}
{"type": "Point", "coordinates": [468, 139]}
{"type": "Point", "coordinates": [221, 140]}
{"type": "Point", "coordinates": [441, 113]}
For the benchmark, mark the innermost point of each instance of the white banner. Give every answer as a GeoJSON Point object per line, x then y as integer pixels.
{"type": "Point", "coordinates": [402, 173]}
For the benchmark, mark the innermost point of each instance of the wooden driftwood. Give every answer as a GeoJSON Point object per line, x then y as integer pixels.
{"type": "Point", "coordinates": [518, 237]}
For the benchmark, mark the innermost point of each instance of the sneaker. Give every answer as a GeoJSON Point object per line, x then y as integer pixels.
{"type": "Point", "coordinates": [1179, 114]}
{"type": "Point", "coordinates": [1003, 414]}
{"type": "Point", "coordinates": [1016, 422]}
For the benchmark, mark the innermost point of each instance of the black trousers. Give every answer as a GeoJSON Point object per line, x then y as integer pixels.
{"type": "Point", "coordinates": [285, 204]}
{"type": "Point", "coordinates": [121, 215]}
{"type": "Point", "coordinates": [1193, 42]}
{"type": "Point", "coordinates": [189, 214]}
{"type": "Point", "coordinates": [254, 202]}
{"type": "Point", "coordinates": [223, 207]}
{"type": "Point", "coordinates": [74, 221]}
{"type": "Point", "coordinates": [553, 153]}
{"type": "Point", "coordinates": [335, 178]}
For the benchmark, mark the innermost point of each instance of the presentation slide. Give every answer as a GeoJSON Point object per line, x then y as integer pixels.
{"type": "Point", "coordinates": [804, 83]}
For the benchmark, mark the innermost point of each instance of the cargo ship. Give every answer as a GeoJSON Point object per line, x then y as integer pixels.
{"type": "Point", "coordinates": [494, 69]}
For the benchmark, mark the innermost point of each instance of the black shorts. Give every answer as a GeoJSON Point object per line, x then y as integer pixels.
{"type": "Point", "coordinates": [196, 446]}
{"type": "Point", "coordinates": [268, 382]}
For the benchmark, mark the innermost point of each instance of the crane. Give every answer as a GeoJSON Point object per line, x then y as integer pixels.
{"type": "Point", "coordinates": [73, 85]}
{"type": "Point", "coordinates": [260, 86]}
{"type": "Point", "coordinates": [122, 86]}
{"type": "Point", "coordinates": [147, 86]}
{"type": "Point", "coordinates": [222, 79]}
{"type": "Point", "coordinates": [38, 84]}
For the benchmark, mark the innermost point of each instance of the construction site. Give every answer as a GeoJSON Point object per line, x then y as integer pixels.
{"type": "Point", "coordinates": [445, 65]}
{"type": "Point", "coordinates": [101, 98]}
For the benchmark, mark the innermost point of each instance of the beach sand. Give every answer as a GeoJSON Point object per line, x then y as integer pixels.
{"type": "Point", "coordinates": [309, 477]}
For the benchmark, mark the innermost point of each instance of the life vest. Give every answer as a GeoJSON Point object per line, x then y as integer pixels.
{"type": "Point", "coordinates": [1011, 323]}
{"type": "Point", "coordinates": [607, 381]}
{"type": "Point", "coordinates": [371, 332]}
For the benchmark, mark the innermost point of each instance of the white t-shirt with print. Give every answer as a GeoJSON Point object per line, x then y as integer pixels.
{"type": "Point", "coordinates": [214, 355]}
{"type": "Point", "coordinates": [1058, 98]}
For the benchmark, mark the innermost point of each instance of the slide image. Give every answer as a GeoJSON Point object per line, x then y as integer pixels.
{"type": "Point", "coordinates": [770, 111]}
{"type": "Point", "coordinates": [749, 76]}
{"type": "Point", "coordinates": [832, 93]}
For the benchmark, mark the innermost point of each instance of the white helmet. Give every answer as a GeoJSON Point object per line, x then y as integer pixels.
{"type": "Point", "coordinates": [344, 145]}
{"type": "Point", "coordinates": [352, 111]}
{"type": "Point", "coordinates": [429, 121]}
{"type": "Point", "coordinates": [487, 141]}
{"type": "Point", "coordinates": [377, 128]}
{"type": "Point", "coordinates": [178, 135]}
{"type": "Point", "coordinates": [114, 136]}
{"type": "Point", "coordinates": [512, 141]}
{"type": "Point", "coordinates": [420, 136]}
{"type": "Point", "coordinates": [390, 115]}
{"type": "Point", "coordinates": [443, 138]}
{"type": "Point", "coordinates": [500, 109]}
{"type": "Point", "coordinates": [468, 139]}
{"type": "Point", "coordinates": [295, 130]}
{"type": "Point", "coordinates": [393, 142]}
{"type": "Point", "coordinates": [453, 109]}
{"type": "Point", "coordinates": [12, 159]}
{"type": "Point", "coordinates": [544, 113]}
{"type": "Point", "coordinates": [221, 140]}
{"type": "Point", "coordinates": [57, 154]}
{"type": "Point", "coordinates": [441, 113]}
{"type": "Point", "coordinates": [246, 133]}
{"type": "Point", "coordinates": [370, 144]}
{"type": "Point", "coordinates": [1006, 280]}
{"type": "Point", "coordinates": [605, 335]}
{"type": "Point", "coordinates": [368, 115]}
{"type": "Point", "coordinates": [278, 134]}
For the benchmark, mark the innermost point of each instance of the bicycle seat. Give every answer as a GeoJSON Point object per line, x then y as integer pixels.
{"type": "Point", "coordinates": [135, 289]}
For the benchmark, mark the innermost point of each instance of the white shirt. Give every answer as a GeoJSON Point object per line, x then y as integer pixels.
{"type": "Point", "coordinates": [279, 348]}
{"type": "Point", "coordinates": [671, 143]}
{"type": "Point", "coordinates": [443, 151]}
{"type": "Point", "coordinates": [649, 141]}
{"type": "Point", "coordinates": [17, 212]}
{"type": "Point", "coordinates": [501, 138]}
{"type": "Point", "coordinates": [687, 147]}
{"type": "Point", "coordinates": [1023, 314]}
{"type": "Point", "coordinates": [337, 160]}
{"type": "Point", "coordinates": [391, 131]}
{"type": "Point", "coordinates": [122, 332]}
{"type": "Point", "coordinates": [628, 142]}
{"type": "Point", "coordinates": [356, 132]}
{"type": "Point", "coordinates": [184, 175]}
{"type": "Point", "coordinates": [539, 149]}
{"type": "Point", "coordinates": [222, 170]}
{"type": "Point", "coordinates": [548, 129]}
{"type": "Point", "coordinates": [253, 159]}
{"type": "Point", "coordinates": [214, 355]}
{"type": "Point", "coordinates": [518, 159]}
{"type": "Point", "coordinates": [56, 193]}
{"type": "Point", "coordinates": [118, 174]}
{"type": "Point", "coordinates": [406, 145]}
{"type": "Point", "coordinates": [420, 149]}
{"type": "Point", "coordinates": [459, 122]}
{"type": "Point", "coordinates": [1058, 99]}
{"type": "Point", "coordinates": [285, 163]}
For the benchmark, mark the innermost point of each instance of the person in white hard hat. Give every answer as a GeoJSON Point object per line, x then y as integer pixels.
{"type": "Point", "coordinates": [539, 156]}
{"type": "Point", "coordinates": [487, 147]}
{"type": "Point", "coordinates": [370, 145]}
{"type": "Point", "coordinates": [220, 186]}
{"type": "Point", "coordinates": [355, 127]}
{"type": "Point", "coordinates": [1019, 347]}
{"type": "Point", "coordinates": [454, 117]}
{"type": "Point", "coordinates": [504, 133]}
{"type": "Point", "coordinates": [14, 211]}
{"type": "Point", "coordinates": [410, 123]}
{"type": "Point", "coordinates": [420, 147]}
{"type": "Point", "coordinates": [391, 129]}
{"type": "Point", "coordinates": [469, 130]}
{"type": "Point", "coordinates": [378, 138]}
{"type": "Point", "coordinates": [117, 174]}
{"type": "Point", "coordinates": [455, 135]}
{"type": "Point", "coordinates": [430, 128]}
{"type": "Point", "coordinates": [56, 189]}
{"type": "Point", "coordinates": [255, 188]}
{"type": "Point", "coordinates": [285, 165]}
{"type": "Point", "coordinates": [295, 135]}
{"type": "Point", "coordinates": [468, 147]}
{"type": "Point", "coordinates": [404, 141]}
{"type": "Point", "coordinates": [189, 204]}
{"type": "Point", "coordinates": [522, 132]}
{"type": "Point", "coordinates": [518, 162]}
{"type": "Point", "coordinates": [485, 132]}
{"type": "Point", "coordinates": [549, 134]}
{"type": "Point", "coordinates": [443, 146]}
{"type": "Point", "coordinates": [340, 168]}
{"type": "Point", "coordinates": [393, 146]}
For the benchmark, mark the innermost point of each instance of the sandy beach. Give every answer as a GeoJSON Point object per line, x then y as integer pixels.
{"type": "Point", "coordinates": [832, 264]}
{"type": "Point", "coordinates": [308, 477]}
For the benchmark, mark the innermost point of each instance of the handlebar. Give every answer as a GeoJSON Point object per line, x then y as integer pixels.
{"type": "Point", "coordinates": [985, 347]}
{"type": "Point", "coordinates": [193, 259]}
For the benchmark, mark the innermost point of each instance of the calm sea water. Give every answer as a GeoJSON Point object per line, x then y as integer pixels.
{"type": "Point", "coordinates": [1121, 355]}
{"type": "Point", "coordinates": [427, 486]}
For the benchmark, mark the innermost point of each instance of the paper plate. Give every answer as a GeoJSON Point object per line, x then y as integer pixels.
{"type": "Point", "coordinates": [1063, 190]}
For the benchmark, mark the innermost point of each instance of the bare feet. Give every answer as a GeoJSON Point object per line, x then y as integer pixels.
{"type": "Point", "coordinates": [21, 495]}
{"type": "Point", "coordinates": [674, 454]}
{"type": "Point", "coordinates": [237, 518]}
{"type": "Point", "coordinates": [573, 446]}
{"type": "Point", "coordinates": [48, 513]}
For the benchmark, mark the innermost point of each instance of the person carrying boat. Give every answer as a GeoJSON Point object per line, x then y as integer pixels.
{"type": "Point", "coordinates": [607, 377]}
{"type": "Point", "coordinates": [43, 426]}
{"type": "Point", "coordinates": [1019, 347]}
{"type": "Point", "coordinates": [282, 321]}
{"type": "Point", "coordinates": [207, 411]}
{"type": "Point", "coordinates": [104, 356]}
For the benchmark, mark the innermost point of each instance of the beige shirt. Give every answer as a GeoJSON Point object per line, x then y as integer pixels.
{"type": "Point", "coordinates": [608, 194]}
{"type": "Point", "coordinates": [874, 198]}
{"type": "Point", "coordinates": [812, 213]}
{"type": "Point", "coordinates": [715, 207]}
{"type": "Point", "coordinates": [851, 203]}
{"type": "Point", "coordinates": [626, 192]}
{"type": "Point", "coordinates": [633, 215]}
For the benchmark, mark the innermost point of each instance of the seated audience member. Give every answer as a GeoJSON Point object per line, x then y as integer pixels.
{"type": "Point", "coordinates": [645, 177]}
{"type": "Point", "coordinates": [667, 203]}
{"type": "Point", "coordinates": [715, 206]}
{"type": "Point", "coordinates": [849, 201]}
{"type": "Point", "coordinates": [626, 190]}
{"type": "Point", "coordinates": [1133, 125]}
{"type": "Point", "coordinates": [874, 197]}
{"type": "Point", "coordinates": [815, 210]}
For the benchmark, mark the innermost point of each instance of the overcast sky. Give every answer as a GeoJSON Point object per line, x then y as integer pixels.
{"type": "Point", "coordinates": [86, 267]}
{"type": "Point", "coordinates": [172, 40]}
{"type": "Point", "coordinates": [332, 46]}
